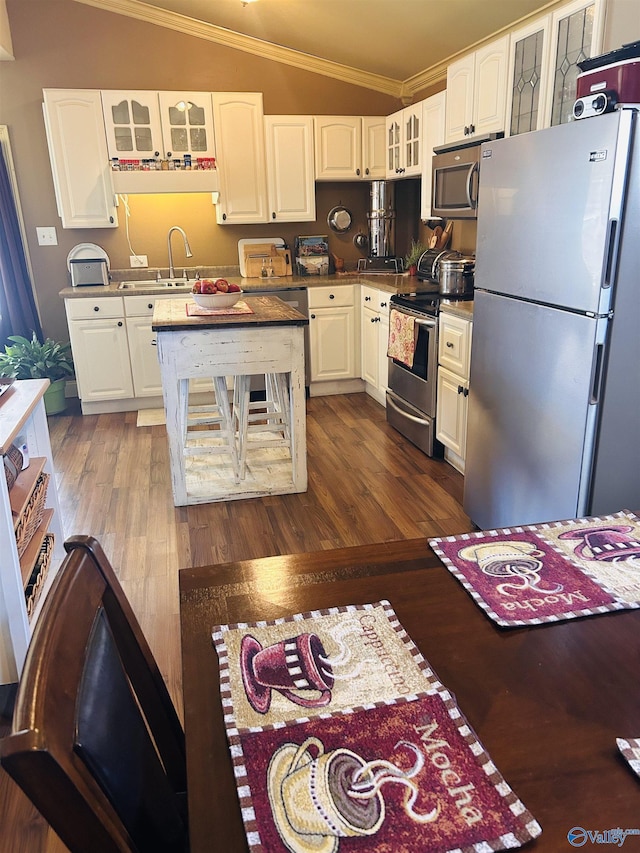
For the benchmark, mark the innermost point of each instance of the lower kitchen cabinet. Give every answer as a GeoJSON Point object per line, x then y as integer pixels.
{"type": "Point", "coordinates": [100, 348]}
{"type": "Point", "coordinates": [454, 358]}
{"type": "Point", "coordinates": [374, 324]}
{"type": "Point", "coordinates": [333, 333]}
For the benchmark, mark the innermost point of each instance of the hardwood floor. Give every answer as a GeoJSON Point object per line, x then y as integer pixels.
{"type": "Point", "coordinates": [367, 484]}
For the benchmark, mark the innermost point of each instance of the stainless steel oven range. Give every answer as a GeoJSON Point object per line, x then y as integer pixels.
{"type": "Point", "coordinates": [411, 395]}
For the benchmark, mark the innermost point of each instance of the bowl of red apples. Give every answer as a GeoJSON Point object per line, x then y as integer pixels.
{"type": "Point", "coordinates": [215, 293]}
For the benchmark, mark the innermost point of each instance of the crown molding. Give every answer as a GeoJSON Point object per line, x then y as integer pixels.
{"type": "Point", "coordinates": [248, 44]}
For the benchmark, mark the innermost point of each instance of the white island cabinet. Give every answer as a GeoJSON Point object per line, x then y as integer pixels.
{"type": "Point", "coordinates": [31, 554]}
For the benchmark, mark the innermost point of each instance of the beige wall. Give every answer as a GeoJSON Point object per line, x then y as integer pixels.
{"type": "Point", "coordinates": [62, 44]}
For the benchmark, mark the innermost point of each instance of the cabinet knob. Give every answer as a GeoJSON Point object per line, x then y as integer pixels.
{"type": "Point", "coordinates": [224, 216]}
{"type": "Point", "coordinates": [111, 219]}
{"type": "Point", "coordinates": [383, 304]}
{"type": "Point", "coordinates": [119, 322]}
{"type": "Point", "coordinates": [466, 130]}
{"type": "Point", "coordinates": [150, 305]}
{"type": "Point", "coordinates": [472, 128]}
{"type": "Point", "coordinates": [449, 344]}
{"type": "Point", "coordinates": [375, 319]}
{"type": "Point", "coordinates": [366, 171]}
{"type": "Point", "coordinates": [154, 343]}
{"type": "Point", "coordinates": [460, 389]}
{"type": "Point", "coordinates": [95, 308]}
{"type": "Point", "coordinates": [273, 215]}
{"type": "Point", "coordinates": [168, 155]}
{"type": "Point", "coordinates": [465, 393]}
{"type": "Point", "coordinates": [357, 171]}
{"type": "Point", "coordinates": [313, 316]}
{"type": "Point", "coordinates": [331, 296]}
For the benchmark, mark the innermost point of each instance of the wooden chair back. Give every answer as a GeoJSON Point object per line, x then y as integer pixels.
{"type": "Point", "coordinates": [95, 742]}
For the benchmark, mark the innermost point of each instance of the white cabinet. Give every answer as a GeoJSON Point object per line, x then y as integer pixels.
{"type": "Point", "coordinates": [100, 348]}
{"type": "Point", "coordinates": [143, 350]}
{"type": "Point", "coordinates": [576, 33]}
{"type": "Point", "coordinates": [187, 124]}
{"type": "Point", "coordinates": [454, 357]}
{"type": "Point", "coordinates": [528, 77]}
{"type": "Point", "coordinates": [290, 168]}
{"type": "Point", "coordinates": [404, 146]}
{"type": "Point", "coordinates": [79, 161]}
{"type": "Point", "coordinates": [349, 148]}
{"type": "Point", "coordinates": [373, 148]}
{"type": "Point", "coordinates": [374, 336]}
{"type": "Point", "coordinates": [239, 137]}
{"type": "Point", "coordinates": [132, 124]}
{"type": "Point", "coordinates": [332, 333]}
{"type": "Point", "coordinates": [433, 128]}
{"type": "Point", "coordinates": [476, 92]}
{"type": "Point", "coordinates": [26, 573]}
{"type": "Point", "coordinates": [338, 148]}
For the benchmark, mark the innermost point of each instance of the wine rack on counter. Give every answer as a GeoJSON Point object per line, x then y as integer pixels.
{"type": "Point", "coordinates": [30, 523]}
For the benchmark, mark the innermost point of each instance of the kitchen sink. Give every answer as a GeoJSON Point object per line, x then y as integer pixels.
{"type": "Point", "coordinates": [176, 283]}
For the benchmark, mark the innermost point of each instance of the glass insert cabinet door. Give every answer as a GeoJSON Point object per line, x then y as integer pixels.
{"type": "Point", "coordinates": [187, 123]}
{"type": "Point", "coordinates": [528, 72]}
{"type": "Point", "coordinates": [577, 32]}
{"type": "Point", "coordinates": [132, 124]}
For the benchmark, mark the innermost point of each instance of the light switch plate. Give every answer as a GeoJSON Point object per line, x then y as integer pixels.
{"type": "Point", "coordinates": [47, 236]}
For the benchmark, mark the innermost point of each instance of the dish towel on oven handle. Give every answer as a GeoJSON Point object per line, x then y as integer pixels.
{"type": "Point", "coordinates": [402, 337]}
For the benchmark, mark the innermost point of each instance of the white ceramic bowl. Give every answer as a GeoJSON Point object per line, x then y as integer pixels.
{"type": "Point", "coordinates": [217, 300]}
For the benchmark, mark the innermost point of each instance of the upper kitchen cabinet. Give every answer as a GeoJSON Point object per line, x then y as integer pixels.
{"type": "Point", "coordinates": [79, 159]}
{"type": "Point", "coordinates": [373, 148]}
{"type": "Point", "coordinates": [528, 77]}
{"type": "Point", "coordinates": [476, 92]}
{"type": "Point", "coordinates": [433, 121]}
{"type": "Point", "coordinates": [239, 138]}
{"type": "Point", "coordinates": [132, 125]}
{"type": "Point", "coordinates": [576, 34]}
{"type": "Point", "coordinates": [187, 124]}
{"type": "Point", "coordinates": [290, 168]}
{"type": "Point", "coordinates": [349, 148]}
{"type": "Point", "coordinates": [338, 148]}
{"type": "Point", "coordinates": [404, 147]}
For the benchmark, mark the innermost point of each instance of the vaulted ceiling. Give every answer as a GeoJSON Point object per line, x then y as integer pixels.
{"type": "Point", "coordinates": [389, 45]}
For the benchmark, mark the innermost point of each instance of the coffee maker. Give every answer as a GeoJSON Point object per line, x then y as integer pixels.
{"type": "Point", "coordinates": [381, 219]}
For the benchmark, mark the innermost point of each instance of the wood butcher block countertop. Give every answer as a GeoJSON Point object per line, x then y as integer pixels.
{"type": "Point", "coordinates": [170, 315]}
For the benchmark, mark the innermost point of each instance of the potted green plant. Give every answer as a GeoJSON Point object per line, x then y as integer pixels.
{"type": "Point", "coordinates": [413, 256]}
{"type": "Point", "coordinates": [30, 359]}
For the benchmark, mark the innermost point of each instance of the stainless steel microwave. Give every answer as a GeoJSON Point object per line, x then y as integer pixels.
{"type": "Point", "coordinates": [456, 173]}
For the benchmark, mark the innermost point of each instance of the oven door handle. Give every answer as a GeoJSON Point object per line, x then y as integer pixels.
{"type": "Point", "coordinates": [404, 414]}
{"type": "Point", "coordinates": [431, 324]}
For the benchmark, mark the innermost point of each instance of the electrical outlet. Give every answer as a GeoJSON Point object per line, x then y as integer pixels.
{"type": "Point", "coordinates": [138, 261]}
{"type": "Point", "coordinates": [47, 236]}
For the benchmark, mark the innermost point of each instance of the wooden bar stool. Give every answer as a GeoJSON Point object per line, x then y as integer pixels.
{"type": "Point", "coordinates": [261, 423]}
{"type": "Point", "coordinates": [209, 428]}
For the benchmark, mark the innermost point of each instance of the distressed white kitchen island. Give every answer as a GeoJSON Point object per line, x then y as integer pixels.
{"type": "Point", "coordinates": [269, 340]}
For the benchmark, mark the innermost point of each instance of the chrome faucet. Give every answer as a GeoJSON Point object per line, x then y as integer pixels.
{"type": "Point", "coordinates": [187, 248]}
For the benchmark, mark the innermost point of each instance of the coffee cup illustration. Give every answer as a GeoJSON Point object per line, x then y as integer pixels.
{"type": "Point", "coordinates": [310, 800]}
{"type": "Point", "coordinates": [509, 559]}
{"type": "Point", "coordinates": [604, 543]}
{"type": "Point", "coordinates": [294, 667]}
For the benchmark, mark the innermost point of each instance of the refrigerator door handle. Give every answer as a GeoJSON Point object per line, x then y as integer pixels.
{"type": "Point", "coordinates": [597, 374]}
{"type": "Point", "coordinates": [610, 253]}
{"type": "Point", "coordinates": [473, 202]}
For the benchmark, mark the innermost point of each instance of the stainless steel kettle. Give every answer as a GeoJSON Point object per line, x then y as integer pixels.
{"type": "Point", "coordinates": [456, 274]}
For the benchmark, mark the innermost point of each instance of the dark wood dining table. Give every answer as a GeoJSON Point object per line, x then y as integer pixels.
{"type": "Point", "coordinates": [546, 701]}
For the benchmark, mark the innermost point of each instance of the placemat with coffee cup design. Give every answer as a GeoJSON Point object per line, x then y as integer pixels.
{"type": "Point", "coordinates": [549, 572]}
{"type": "Point", "coordinates": [343, 739]}
{"type": "Point", "coordinates": [630, 751]}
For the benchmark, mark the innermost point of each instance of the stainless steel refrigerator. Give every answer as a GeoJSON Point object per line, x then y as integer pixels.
{"type": "Point", "coordinates": [554, 400]}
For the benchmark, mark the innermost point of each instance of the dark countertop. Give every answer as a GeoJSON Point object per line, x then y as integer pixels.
{"type": "Point", "coordinates": [389, 283]}
{"type": "Point", "coordinates": [170, 315]}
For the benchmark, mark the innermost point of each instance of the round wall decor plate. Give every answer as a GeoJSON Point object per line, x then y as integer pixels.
{"type": "Point", "coordinates": [339, 219]}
